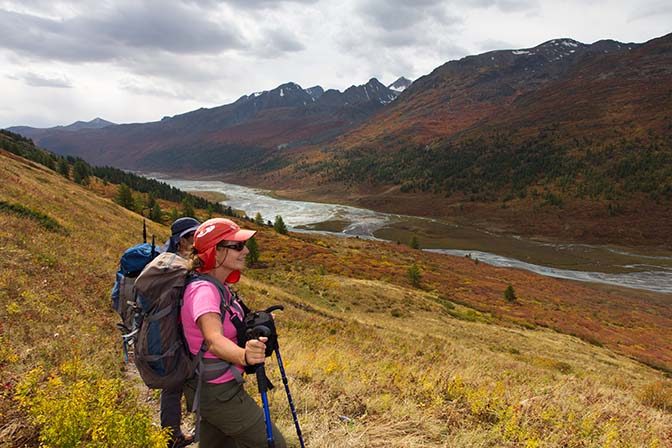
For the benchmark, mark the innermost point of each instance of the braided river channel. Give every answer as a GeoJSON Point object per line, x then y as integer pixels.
{"type": "Point", "coordinates": [633, 268]}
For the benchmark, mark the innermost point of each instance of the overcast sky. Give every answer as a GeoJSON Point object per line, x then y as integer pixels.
{"type": "Point", "coordinates": [140, 60]}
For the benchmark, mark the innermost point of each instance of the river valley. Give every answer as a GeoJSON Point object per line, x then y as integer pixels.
{"type": "Point", "coordinates": [612, 265]}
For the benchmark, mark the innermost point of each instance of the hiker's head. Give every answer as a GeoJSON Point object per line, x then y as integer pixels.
{"type": "Point", "coordinates": [181, 235]}
{"type": "Point", "coordinates": [219, 246]}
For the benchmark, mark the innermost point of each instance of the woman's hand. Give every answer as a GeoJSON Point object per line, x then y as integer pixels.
{"type": "Point", "coordinates": [255, 351]}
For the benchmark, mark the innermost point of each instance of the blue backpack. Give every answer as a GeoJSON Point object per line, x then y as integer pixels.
{"type": "Point", "coordinates": [124, 295]}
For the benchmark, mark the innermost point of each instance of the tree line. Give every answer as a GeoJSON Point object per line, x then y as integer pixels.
{"type": "Point", "coordinates": [504, 165]}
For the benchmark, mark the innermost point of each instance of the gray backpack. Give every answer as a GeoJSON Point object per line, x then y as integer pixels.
{"type": "Point", "coordinates": [162, 355]}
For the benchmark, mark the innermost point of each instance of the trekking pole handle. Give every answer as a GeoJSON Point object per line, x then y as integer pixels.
{"type": "Point", "coordinates": [258, 331]}
{"type": "Point", "coordinates": [273, 308]}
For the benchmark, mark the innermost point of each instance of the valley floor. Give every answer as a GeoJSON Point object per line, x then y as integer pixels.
{"type": "Point", "coordinates": [638, 224]}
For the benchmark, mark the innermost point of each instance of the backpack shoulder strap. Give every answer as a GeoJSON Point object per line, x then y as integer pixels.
{"type": "Point", "coordinates": [225, 296]}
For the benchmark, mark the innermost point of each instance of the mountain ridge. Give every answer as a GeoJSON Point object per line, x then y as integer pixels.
{"type": "Point", "coordinates": [258, 123]}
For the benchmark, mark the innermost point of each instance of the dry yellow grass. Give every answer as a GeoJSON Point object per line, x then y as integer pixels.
{"type": "Point", "coordinates": [371, 362]}
{"type": "Point", "coordinates": [430, 380]}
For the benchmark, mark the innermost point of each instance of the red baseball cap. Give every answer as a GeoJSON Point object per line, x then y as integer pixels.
{"type": "Point", "coordinates": [212, 232]}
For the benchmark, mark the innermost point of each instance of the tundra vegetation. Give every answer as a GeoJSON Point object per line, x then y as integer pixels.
{"type": "Point", "coordinates": [372, 360]}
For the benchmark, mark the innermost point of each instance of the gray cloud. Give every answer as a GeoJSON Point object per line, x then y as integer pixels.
{"type": "Point", "coordinates": [43, 80]}
{"type": "Point", "coordinates": [166, 40]}
{"type": "Point", "coordinates": [113, 32]}
{"type": "Point", "coordinates": [396, 15]}
{"type": "Point", "coordinates": [505, 5]}
{"type": "Point", "coordinates": [661, 8]}
{"type": "Point", "coordinates": [494, 44]}
{"type": "Point", "coordinates": [143, 88]}
{"type": "Point", "coordinates": [250, 4]}
{"type": "Point", "coordinates": [276, 42]}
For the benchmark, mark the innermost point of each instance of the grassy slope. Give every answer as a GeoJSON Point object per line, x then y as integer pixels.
{"type": "Point", "coordinates": [438, 374]}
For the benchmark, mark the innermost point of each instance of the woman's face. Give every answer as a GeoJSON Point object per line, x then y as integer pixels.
{"type": "Point", "coordinates": [185, 244]}
{"type": "Point", "coordinates": [231, 256]}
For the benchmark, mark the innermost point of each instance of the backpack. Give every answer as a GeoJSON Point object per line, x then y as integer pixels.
{"type": "Point", "coordinates": [162, 355]}
{"type": "Point", "coordinates": [132, 262]}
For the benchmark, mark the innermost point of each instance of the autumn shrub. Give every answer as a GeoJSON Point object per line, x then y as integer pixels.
{"type": "Point", "coordinates": [74, 406]}
{"type": "Point", "coordinates": [657, 395]}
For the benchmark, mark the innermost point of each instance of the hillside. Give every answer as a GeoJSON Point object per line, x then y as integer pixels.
{"type": "Point", "coordinates": [563, 140]}
{"type": "Point", "coordinates": [371, 360]}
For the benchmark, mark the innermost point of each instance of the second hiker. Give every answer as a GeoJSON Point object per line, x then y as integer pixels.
{"type": "Point", "coordinates": [180, 242]}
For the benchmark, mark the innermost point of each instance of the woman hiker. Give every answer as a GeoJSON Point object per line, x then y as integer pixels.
{"type": "Point", "coordinates": [229, 416]}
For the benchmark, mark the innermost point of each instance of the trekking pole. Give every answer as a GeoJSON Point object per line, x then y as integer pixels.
{"type": "Point", "coordinates": [261, 323]}
{"type": "Point", "coordinates": [263, 383]}
{"type": "Point", "coordinates": [266, 318]}
{"type": "Point", "coordinates": [289, 395]}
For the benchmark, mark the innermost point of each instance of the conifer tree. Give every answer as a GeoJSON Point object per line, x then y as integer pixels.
{"type": "Point", "coordinates": [173, 214]}
{"type": "Point", "coordinates": [63, 168]}
{"type": "Point", "coordinates": [150, 201]}
{"type": "Point", "coordinates": [414, 243]}
{"type": "Point", "coordinates": [258, 219]}
{"type": "Point", "coordinates": [510, 294]}
{"type": "Point", "coordinates": [414, 275]}
{"type": "Point", "coordinates": [80, 172]}
{"type": "Point", "coordinates": [280, 226]}
{"type": "Point", "coordinates": [253, 256]}
{"type": "Point", "coordinates": [155, 213]}
{"type": "Point", "coordinates": [187, 207]}
{"type": "Point", "coordinates": [125, 197]}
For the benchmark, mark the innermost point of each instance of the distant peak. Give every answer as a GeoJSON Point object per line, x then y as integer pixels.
{"type": "Point", "coordinates": [289, 85]}
{"type": "Point", "coordinates": [315, 92]}
{"type": "Point", "coordinates": [96, 123]}
{"type": "Point", "coordinates": [400, 84]}
{"type": "Point", "coordinates": [564, 41]}
{"type": "Point", "coordinates": [100, 120]}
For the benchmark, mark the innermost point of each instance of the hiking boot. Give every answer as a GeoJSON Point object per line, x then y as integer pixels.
{"type": "Point", "coordinates": [181, 441]}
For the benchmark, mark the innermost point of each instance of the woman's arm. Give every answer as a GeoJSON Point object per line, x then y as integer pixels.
{"type": "Point", "coordinates": [224, 348]}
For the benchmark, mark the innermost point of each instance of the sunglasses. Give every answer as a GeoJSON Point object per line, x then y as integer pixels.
{"type": "Point", "coordinates": [235, 246]}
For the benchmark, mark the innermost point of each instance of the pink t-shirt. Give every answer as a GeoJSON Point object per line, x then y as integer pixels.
{"type": "Point", "coordinates": [201, 297]}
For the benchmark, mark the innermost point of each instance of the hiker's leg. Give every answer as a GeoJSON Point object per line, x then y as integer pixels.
{"type": "Point", "coordinates": [254, 435]}
{"type": "Point", "coordinates": [171, 411]}
{"type": "Point", "coordinates": [212, 437]}
{"type": "Point", "coordinates": [234, 413]}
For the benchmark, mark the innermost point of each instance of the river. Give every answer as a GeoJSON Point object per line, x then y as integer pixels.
{"type": "Point", "coordinates": [612, 265]}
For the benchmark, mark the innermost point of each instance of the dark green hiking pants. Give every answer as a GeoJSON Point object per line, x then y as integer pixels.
{"type": "Point", "coordinates": [230, 418]}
